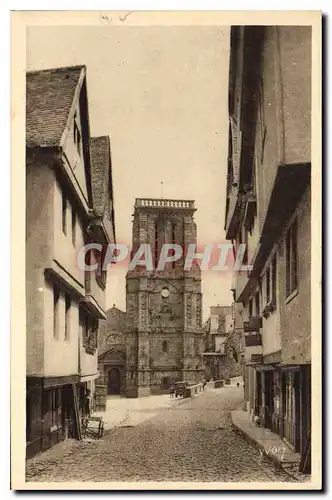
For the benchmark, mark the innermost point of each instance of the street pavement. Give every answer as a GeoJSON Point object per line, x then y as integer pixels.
{"type": "Point", "coordinates": [192, 440]}
{"type": "Point", "coordinates": [128, 412]}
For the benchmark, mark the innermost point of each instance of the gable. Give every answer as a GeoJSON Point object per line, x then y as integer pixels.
{"type": "Point", "coordinates": [49, 97]}
{"type": "Point", "coordinates": [57, 116]}
{"type": "Point", "coordinates": [73, 147]}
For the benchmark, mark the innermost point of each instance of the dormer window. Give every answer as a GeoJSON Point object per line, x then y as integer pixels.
{"type": "Point", "coordinates": [77, 135]}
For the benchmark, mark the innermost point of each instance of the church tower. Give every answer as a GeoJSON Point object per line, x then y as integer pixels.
{"type": "Point", "coordinates": [164, 307]}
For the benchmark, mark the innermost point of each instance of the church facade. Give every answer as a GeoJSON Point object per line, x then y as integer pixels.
{"type": "Point", "coordinates": [164, 339]}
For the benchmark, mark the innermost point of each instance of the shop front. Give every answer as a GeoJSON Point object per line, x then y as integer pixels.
{"type": "Point", "coordinates": [283, 402]}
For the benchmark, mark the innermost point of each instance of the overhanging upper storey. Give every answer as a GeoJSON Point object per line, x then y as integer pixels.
{"type": "Point", "coordinates": [244, 78]}
{"type": "Point", "coordinates": [289, 186]}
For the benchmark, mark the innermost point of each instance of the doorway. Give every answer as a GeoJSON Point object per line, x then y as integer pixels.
{"type": "Point", "coordinates": [114, 381]}
{"type": "Point", "coordinates": [268, 399]}
{"type": "Point", "coordinates": [258, 405]}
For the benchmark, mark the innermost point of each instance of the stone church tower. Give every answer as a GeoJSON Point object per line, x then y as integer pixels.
{"type": "Point", "coordinates": [165, 342]}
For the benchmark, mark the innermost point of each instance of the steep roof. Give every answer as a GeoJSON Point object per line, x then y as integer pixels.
{"type": "Point", "coordinates": [49, 98]}
{"type": "Point", "coordinates": [100, 154]}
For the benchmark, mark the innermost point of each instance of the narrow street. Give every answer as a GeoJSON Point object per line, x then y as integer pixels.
{"type": "Point", "coordinates": [190, 441]}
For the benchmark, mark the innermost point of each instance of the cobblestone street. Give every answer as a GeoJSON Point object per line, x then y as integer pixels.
{"type": "Point", "coordinates": [192, 441]}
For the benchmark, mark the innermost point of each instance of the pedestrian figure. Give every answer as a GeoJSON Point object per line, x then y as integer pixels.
{"type": "Point", "coordinates": [87, 402]}
{"type": "Point", "coordinates": [204, 384]}
{"type": "Point", "coordinates": [172, 392]}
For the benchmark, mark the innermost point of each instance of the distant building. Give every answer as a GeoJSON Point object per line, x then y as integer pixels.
{"type": "Point", "coordinates": [268, 209]}
{"type": "Point", "coordinates": [112, 352]}
{"type": "Point", "coordinates": [223, 349]}
{"type": "Point", "coordinates": [69, 203]}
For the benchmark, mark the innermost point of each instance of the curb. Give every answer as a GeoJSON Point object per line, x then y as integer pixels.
{"type": "Point", "coordinates": [258, 446]}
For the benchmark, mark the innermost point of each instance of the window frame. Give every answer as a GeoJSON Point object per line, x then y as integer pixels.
{"type": "Point", "coordinates": [73, 226]}
{"type": "Point", "coordinates": [257, 304]}
{"type": "Point", "coordinates": [291, 260]}
{"type": "Point", "coordinates": [90, 326]}
{"type": "Point", "coordinates": [64, 213]}
{"type": "Point", "coordinates": [270, 277]}
{"type": "Point", "coordinates": [250, 308]}
{"type": "Point", "coordinates": [173, 241]}
{"type": "Point", "coordinates": [156, 245]}
{"type": "Point", "coordinates": [268, 285]}
{"type": "Point", "coordinates": [101, 274]}
{"type": "Point", "coordinates": [56, 305]}
{"type": "Point", "coordinates": [164, 346]}
{"type": "Point", "coordinates": [273, 274]}
{"type": "Point", "coordinates": [77, 135]}
{"type": "Point", "coordinates": [67, 316]}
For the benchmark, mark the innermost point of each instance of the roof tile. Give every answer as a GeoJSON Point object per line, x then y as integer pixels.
{"type": "Point", "coordinates": [49, 96]}
{"type": "Point", "coordinates": [100, 172]}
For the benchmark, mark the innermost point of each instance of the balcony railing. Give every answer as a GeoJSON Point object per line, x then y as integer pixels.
{"type": "Point", "coordinates": [163, 203]}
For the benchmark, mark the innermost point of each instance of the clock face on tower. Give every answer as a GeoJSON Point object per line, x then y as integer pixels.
{"type": "Point", "coordinates": [165, 293]}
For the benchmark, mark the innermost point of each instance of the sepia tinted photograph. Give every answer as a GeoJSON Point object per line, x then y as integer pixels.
{"type": "Point", "coordinates": [170, 292]}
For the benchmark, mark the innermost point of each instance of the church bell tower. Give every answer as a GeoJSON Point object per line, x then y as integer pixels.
{"type": "Point", "coordinates": [164, 307]}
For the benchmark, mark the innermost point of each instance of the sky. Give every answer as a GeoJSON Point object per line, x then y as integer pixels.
{"type": "Point", "coordinates": [161, 94]}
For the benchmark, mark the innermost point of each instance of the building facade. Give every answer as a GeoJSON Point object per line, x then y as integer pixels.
{"type": "Point", "coordinates": [164, 307]}
{"type": "Point", "coordinates": [268, 210]}
{"type": "Point", "coordinates": [112, 352]}
{"type": "Point", "coordinates": [68, 205]}
{"type": "Point", "coordinates": [223, 351]}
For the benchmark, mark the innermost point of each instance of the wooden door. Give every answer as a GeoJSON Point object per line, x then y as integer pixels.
{"type": "Point", "coordinates": [114, 381]}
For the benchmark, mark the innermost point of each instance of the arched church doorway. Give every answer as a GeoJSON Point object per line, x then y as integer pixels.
{"type": "Point", "coordinates": [114, 381]}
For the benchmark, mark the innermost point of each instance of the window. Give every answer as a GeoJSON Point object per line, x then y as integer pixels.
{"type": "Point", "coordinates": [291, 260]}
{"type": "Point", "coordinates": [173, 242]}
{"type": "Point", "coordinates": [101, 274]}
{"type": "Point", "coordinates": [165, 382]}
{"type": "Point", "coordinates": [56, 299]}
{"type": "Point", "coordinates": [164, 346]}
{"type": "Point", "coordinates": [77, 135]}
{"type": "Point", "coordinates": [268, 288]}
{"type": "Point", "coordinates": [156, 246]}
{"type": "Point", "coordinates": [245, 257]}
{"type": "Point", "coordinates": [274, 279]}
{"type": "Point", "coordinates": [73, 227]}
{"type": "Point", "coordinates": [243, 240]}
{"type": "Point", "coordinates": [90, 331]}
{"type": "Point", "coordinates": [54, 407]}
{"type": "Point", "coordinates": [67, 317]}
{"type": "Point", "coordinates": [250, 308]}
{"type": "Point", "coordinates": [257, 304]}
{"type": "Point", "coordinates": [64, 213]}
